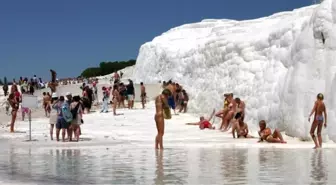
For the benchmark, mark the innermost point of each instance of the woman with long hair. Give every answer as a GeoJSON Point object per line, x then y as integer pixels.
{"type": "Point", "coordinates": [15, 107]}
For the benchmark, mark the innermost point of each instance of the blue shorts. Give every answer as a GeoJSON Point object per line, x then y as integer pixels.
{"type": "Point", "coordinates": [61, 123]}
{"type": "Point", "coordinates": [171, 102]}
{"type": "Point", "coordinates": [319, 118]}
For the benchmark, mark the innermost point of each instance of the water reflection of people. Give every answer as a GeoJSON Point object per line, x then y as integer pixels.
{"type": "Point", "coordinates": [234, 165]}
{"type": "Point", "coordinates": [318, 171]}
{"type": "Point", "coordinates": [159, 172]}
{"type": "Point", "coordinates": [271, 164]}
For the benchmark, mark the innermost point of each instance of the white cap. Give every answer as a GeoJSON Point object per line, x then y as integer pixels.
{"type": "Point", "coordinates": [54, 95]}
{"type": "Point", "coordinates": [68, 94]}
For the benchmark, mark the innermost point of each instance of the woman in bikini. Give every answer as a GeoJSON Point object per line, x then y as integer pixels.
{"type": "Point", "coordinates": [161, 105]}
{"type": "Point", "coordinates": [15, 107]}
{"type": "Point", "coordinates": [265, 133]}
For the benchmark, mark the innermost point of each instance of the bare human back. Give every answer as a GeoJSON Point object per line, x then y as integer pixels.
{"type": "Point", "coordinates": [320, 107]}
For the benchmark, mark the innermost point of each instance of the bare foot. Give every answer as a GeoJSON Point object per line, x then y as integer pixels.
{"type": "Point", "coordinates": [316, 147]}
{"type": "Point", "coordinates": [283, 142]}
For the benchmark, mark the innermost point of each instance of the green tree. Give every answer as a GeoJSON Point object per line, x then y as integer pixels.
{"type": "Point", "coordinates": [106, 68]}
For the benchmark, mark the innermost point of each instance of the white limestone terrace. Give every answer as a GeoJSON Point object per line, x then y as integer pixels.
{"type": "Point", "coordinates": [277, 65]}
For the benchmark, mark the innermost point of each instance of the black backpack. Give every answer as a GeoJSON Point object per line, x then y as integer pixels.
{"type": "Point", "coordinates": [74, 111]}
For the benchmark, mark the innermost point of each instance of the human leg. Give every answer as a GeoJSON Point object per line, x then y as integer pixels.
{"type": "Point", "coordinates": [63, 134]}
{"type": "Point", "coordinates": [14, 113]}
{"type": "Point", "coordinates": [312, 133]}
{"type": "Point", "coordinates": [58, 128]}
{"type": "Point", "coordinates": [22, 113]}
{"type": "Point", "coordinates": [51, 131]}
{"type": "Point", "coordinates": [277, 135]}
{"type": "Point", "coordinates": [319, 131]}
{"type": "Point", "coordinates": [160, 128]}
{"type": "Point", "coordinates": [227, 120]}
{"type": "Point", "coordinates": [69, 131]}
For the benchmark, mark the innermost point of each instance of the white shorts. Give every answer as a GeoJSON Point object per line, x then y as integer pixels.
{"type": "Point", "coordinates": [130, 97]}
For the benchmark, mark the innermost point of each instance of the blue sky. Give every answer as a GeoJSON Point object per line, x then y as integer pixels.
{"type": "Point", "coordinates": [71, 35]}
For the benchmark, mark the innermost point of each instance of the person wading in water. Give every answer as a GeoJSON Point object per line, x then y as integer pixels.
{"type": "Point", "coordinates": [161, 106]}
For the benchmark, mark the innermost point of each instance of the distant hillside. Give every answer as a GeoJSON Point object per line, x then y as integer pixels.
{"type": "Point", "coordinates": [106, 68]}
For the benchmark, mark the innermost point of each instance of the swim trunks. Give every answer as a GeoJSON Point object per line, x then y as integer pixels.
{"type": "Point", "coordinates": [130, 97]}
{"type": "Point", "coordinates": [61, 123]}
{"type": "Point", "coordinates": [171, 102]}
{"type": "Point", "coordinates": [206, 124]}
{"type": "Point", "coordinates": [319, 118]}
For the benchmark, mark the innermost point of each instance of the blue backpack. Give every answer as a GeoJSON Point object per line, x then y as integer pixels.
{"type": "Point", "coordinates": [66, 112]}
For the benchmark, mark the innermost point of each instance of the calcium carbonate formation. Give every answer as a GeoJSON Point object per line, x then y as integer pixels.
{"type": "Point", "coordinates": [276, 64]}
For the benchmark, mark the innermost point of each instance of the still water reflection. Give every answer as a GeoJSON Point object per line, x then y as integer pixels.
{"type": "Point", "coordinates": [171, 166]}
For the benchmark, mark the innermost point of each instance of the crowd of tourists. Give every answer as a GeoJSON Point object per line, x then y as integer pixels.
{"type": "Point", "coordinates": [66, 111]}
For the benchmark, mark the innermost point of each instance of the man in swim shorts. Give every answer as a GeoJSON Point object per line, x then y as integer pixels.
{"type": "Point", "coordinates": [240, 128]}
{"type": "Point", "coordinates": [319, 109]}
{"type": "Point", "coordinates": [204, 123]}
{"type": "Point", "coordinates": [160, 105]}
{"type": "Point", "coordinates": [265, 133]}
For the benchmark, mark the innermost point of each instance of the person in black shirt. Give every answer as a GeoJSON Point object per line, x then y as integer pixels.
{"type": "Point", "coordinates": [130, 94]}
